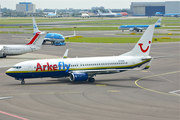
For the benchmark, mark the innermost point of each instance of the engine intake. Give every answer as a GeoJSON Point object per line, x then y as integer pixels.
{"type": "Point", "coordinates": [78, 77]}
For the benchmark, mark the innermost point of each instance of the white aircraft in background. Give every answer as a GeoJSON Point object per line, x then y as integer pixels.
{"type": "Point", "coordinates": [34, 44]}
{"type": "Point", "coordinates": [84, 69]}
{"type": "Point", "coordinates": [84, 15]}
{"type": "Point", "coordinates": [109, 14]}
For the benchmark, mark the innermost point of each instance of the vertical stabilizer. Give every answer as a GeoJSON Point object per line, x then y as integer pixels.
{"type": "Point", "coordinates": [35, 28]}
{"type": "Point", "coordinates": [158, 23]}
{"type": "Point", "coordinates": [37, 39]}
{"type": "Point", "coordinates": [142, 48]}
{"type": "Point", "coordinates": [110, 11]}
{"type": "Point", "coordinates": [99, 12]}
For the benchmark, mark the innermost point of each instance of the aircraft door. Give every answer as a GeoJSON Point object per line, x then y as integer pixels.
{"type": "Point", "coordinates": [30, 67]}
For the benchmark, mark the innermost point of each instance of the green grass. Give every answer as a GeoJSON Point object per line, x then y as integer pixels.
{"type": "Point", "coordinates": [1, 32]}
{"type": "Point", "coordinates": [81, 29]}
{"type": "Point", "coordinates": [174, 30]}
{"type": "Point", "coordinates": [116, 40]}
{"type": "Point", "coordinates": [19, 20]}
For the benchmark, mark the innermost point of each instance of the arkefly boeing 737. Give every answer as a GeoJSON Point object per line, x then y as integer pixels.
{"type": "Point", "coordinates": [51, 37]}
{"type": "Point", "coordinates": [34, 44]}
{"type": "Point", "coordinates": [138, 27]}
{"type": "Point", "coordinates": [84, 69]}
{"type": "Point", "coordinates": [109, 14]}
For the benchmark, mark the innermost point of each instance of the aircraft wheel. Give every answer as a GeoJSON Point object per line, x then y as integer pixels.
{"type": "Point", "coordinates": [91, 80]}
{"type": "Point", "coordinates": [141, 30]}
{"type": "Point", "coordinates": [4, 55]}
{"type": "Point", "coordinates": [44, 42]}
{"type": "Point", "coordinates": [23, 82]}
{"type": "Point", "coordinates": [137, 30]}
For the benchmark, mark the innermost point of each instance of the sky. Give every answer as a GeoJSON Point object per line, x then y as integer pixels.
{"type": "Point", "coordinates": [76, 4]}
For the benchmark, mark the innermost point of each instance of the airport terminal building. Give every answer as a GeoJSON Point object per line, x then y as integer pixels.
{"type": "Point", "coordinates": [150, 8]}
{"type": "Point", "coordinates": [26, 7]}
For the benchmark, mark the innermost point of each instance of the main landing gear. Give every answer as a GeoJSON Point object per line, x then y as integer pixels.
{"type": "Point", "coordinates": [91, 80]}
{"type": "Point", "coordinates": [22, 81]}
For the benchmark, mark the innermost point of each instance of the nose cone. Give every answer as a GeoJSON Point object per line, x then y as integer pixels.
{"type": "Point", "coordinates": [119, 27]}
{"type": "Point", "coordinates": [11, 73]}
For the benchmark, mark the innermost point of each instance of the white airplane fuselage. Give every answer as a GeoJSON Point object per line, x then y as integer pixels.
{"type": "Point", "coordinates": [19, 49]}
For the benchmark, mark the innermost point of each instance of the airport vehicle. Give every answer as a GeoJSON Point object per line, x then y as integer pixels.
{"type": "Point", "coordinates": [109, 14]}
{"type": "Point", "coordinates": [138, 27]}
{"type": "Point", "coordinates": [122, 13]}
{"type": "Point", "coordinates": [51, 37]}
{"type": "Point", "coordinates": [34, 44]}
{"type": "Point", "coordinates": [57, 43]}
{"type": "Point", "coordinates": [84, 69]}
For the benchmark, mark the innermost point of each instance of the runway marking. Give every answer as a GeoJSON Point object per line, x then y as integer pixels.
{"type": "Point", "coordinates": [174, 92]}
{"type": "Point", "coordinates": [42, 93]}
{"type": "Point", "coordinates": [144, 71]}
{"type": "Point", "coordinates": [155, 90]}
{"type": "Point", "coordinates": [15, 116]}
{"type": "Point", "coordinates": [113, 91]}
{"type": "Point", "coordinates": [100, 85]}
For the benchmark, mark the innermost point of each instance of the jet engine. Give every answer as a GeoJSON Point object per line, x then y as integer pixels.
{"type": "Point", "coordinates": [78, 77]}
{"type": "Point", "coordinates": [131, 29]}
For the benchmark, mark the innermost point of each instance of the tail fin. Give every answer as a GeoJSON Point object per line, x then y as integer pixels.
{"type": "Point", "coordinates": [37, 39]}
{"type": "Point", "coordinates": [158, 23]}
{"type": "Point", "coordinates": [55, 11]}
{"type": "Point", "coordinates": [110, 11]}
{"type": "Point", "coordinates": [35, 26]}
{"type": "Point", "coordinates": [142, 48]}
{"type": "Point", "coordinates": [99, 12]}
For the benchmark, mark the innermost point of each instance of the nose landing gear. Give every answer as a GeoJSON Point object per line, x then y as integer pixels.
{"type": "Point", "coordinates": [22, 81]}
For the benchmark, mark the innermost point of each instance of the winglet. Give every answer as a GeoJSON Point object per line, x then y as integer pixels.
{"type": "Point", "coordinates": [65, 54]}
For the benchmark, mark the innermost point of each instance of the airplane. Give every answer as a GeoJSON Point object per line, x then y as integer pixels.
{"type": "Point", "coordinates": [122, 13]}
{"type": "Point", "coordinates": [50, 15]}
{"type": "Point", "coordinates": [34, 44]}
{"type": "Point", "coordinates": [51, 37]}
{"type": "Point", "coordinates": [138, 27]}
{"type": "Point", "coordinates": [84, 15]}
{"type": "Point", "coordinates": [109, 14]}
{"type": "Point", "coordinates": [84, 69]}
{"type": "Point", "coordinates": [172, 15]}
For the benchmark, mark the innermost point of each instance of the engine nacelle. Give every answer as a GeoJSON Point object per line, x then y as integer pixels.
{"type": "Point", "coordinates": [131, 29]}
{"type": "Point", "coordinates": [78, 77]}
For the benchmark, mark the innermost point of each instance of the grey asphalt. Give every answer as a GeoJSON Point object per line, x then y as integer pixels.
{"type": "Point", "coordinates": [143, 95]}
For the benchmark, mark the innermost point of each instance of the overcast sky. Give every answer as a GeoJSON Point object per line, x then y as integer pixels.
{"type": "Point", "coordinates": [76, 4]}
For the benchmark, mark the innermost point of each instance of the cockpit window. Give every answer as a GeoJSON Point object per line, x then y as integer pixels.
{"type": "Point", "coordinates": [17, 67]}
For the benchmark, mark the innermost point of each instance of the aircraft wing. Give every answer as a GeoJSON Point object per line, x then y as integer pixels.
{"type": "Point", "coordinates": [138, 28]}
{"type": "Point", "coordinates": [103, 71]}
{"type": "Point", "coordinates": [71, 35]}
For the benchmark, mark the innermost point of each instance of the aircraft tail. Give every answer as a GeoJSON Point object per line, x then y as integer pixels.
{"type": "Point", "coordinates": [158, 23]}
{"type": "Point", "coordinates": [110, 11]}
{"type": "Point", "coordinates": [55, 11]}
{"type": "Point", "coordinates": [37, 39]}
{"type": "Point", "coordinates": [35, 28]}
{"type": "Point", "coordinates": [99, 12]}
{"type": "Point", "coordinates": [142, 48]}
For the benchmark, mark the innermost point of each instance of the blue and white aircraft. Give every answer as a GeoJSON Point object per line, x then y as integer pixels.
{"type": "Point", "coordinates": [110, 14]}
{"type": "Point", "coordinates": [51, 37]}
{"type": "Point", "coordinates": [138, 27]}
{"type": "Point", "coordinates": [50, 15]}
{"type": "Point", "coordinates": [84, 69]}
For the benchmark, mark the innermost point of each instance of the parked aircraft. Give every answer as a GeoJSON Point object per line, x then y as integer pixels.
{"type": "Point", "coordinates": [34, 44]}
{"type": "Point", "coordinates": [122, 13]}
{"type": "Point", "coordinates": [84, 15]}
{"type": "Point", "coordinates": [172, 15]}
{"type": "Point", "coordinates": [50, 15]}
{"type": "Point", "coordinates": [109, 14]}
{"type": "Point", "coordinates": [51, 37]}
{"type": "Point", "coordinates": [138, 27]}
{"type": "Point", "coordinates": [84, 69]}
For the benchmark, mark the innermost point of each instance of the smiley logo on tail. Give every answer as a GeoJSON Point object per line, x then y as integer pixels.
{"type": "Point", "coordinates": [141, 44]}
